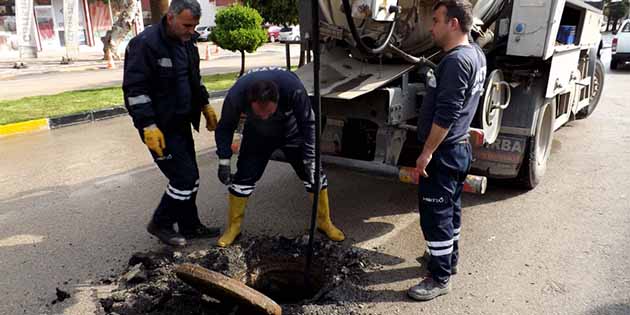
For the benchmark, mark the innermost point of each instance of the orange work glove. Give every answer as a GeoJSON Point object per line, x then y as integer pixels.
{"type": "Point", "coordinates": [154, 139]}
{"type": "Point", "coordinates": [211, 117]}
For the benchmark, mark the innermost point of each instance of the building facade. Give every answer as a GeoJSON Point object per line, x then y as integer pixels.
{"type": "Point", "coordinates": [95, 18]}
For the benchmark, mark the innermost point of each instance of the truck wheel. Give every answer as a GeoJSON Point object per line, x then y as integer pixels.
{"type": "Point", "coordinates": [539, 147]}
{"type": "Point", "coordinates": [596, 91]}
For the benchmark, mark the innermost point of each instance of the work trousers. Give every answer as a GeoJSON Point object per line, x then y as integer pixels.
{"type": "Point", "coordinates": [179, 165]}
{"type": "Point", "coordinates": [439, 198]}
{"type": "Point", "coordinates": [254, 156]}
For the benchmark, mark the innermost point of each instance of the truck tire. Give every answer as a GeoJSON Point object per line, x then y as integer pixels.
{"type": "Point", "coordinates": [539, 147]}
{"type": "Point", "coordinates": [596, 94]}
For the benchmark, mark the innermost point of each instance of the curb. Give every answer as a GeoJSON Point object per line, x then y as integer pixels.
{"type": "Point", "coordinates": [62, 121]}
{"type": "Point", "coordinates": [74, 119]}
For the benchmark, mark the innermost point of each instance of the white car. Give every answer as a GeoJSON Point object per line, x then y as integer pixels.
{"type": "Point", "coordinates": [621, 46]}
{"type": "Point", "coordinates": [289, 34]}
{"type": "Point", "coordinates": [204, 33]}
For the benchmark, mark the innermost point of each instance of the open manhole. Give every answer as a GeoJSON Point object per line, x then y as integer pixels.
{"type": "Point", "coordinates": [264, 272]}
{"type": "Point", "coordinates": [285, 281]}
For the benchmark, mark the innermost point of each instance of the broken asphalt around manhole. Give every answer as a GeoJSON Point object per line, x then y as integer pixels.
{"type": "Point", "coordinates": [271, 265]}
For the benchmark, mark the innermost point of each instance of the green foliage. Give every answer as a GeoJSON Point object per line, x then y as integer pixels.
{"type": "Point", "coordinates": [617, 10]}
{"type": "Point", "coordinates": [279, 12]}
{"type": "Point", "coordinates": [238, 28]}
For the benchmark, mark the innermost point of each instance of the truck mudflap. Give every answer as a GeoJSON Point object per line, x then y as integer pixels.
{"type": "Point", "coordinates": [502, 159]}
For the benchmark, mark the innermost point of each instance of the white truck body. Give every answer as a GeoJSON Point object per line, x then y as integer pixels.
{"type": "Point", "coordinates": [538, 81]}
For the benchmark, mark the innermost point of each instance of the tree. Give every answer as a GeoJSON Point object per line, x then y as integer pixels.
{"type": "Point", "coordinates": [615, 11]}
{"type": "Point", "coordinates": [238, 28]}
{"type": "Point", "coordinates": [126, 12]}
{"type": "Point", "coordinates": [158, 9]}
{"type": "Point", "coordinates": [278, 12]}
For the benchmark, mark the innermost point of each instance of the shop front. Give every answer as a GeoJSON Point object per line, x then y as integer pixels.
{"type": "Point", "coordinates": [8, 28]}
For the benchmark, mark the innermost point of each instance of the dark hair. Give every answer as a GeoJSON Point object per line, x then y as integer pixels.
{"type": "Point", "coordinates": [460, 10]}
{"type": "Point", "coordinates": [177, 6]}
{"type": "Point", "coordinates": [263, 91]}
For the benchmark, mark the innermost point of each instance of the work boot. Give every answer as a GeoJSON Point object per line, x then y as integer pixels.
{"type": "Point", "coordinates": [200, 231]}
{"type": "Point", "coordinates": [428, 289]}
{"type": "Point", "coordinates": [166, 234]}
{"type": "Point", "coordinates": [324, 223]}
{"type": "Point", "coordinates": [236, 213]}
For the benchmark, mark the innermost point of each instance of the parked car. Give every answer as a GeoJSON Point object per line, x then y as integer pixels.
{"type": "Point", "coordinates": [204, 33]}
{"type": "Point", "coordinates": [274, 33]}
{"type": "Point", "coordinates": [291, 33]}
{"type": "Point", "coordinates": [621, 46]}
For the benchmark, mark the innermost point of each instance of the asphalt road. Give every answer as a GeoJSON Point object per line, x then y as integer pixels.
{"type": "Point", "coordinates": [74, 203]}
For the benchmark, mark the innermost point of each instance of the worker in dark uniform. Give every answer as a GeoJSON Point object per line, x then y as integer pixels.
{"type": "Point", "coordinates": [164, 95]}
{"type": "Point", "coordinates": [279, 115]}
{"type": "Point", "coordinates": [447, 110]}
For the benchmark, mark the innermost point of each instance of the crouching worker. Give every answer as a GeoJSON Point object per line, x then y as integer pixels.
{"type": "Point", "coordinates": [279, 115]}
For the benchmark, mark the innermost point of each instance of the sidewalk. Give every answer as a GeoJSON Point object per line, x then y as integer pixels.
{"type": "Point", "coordinates": [91, 58]}
{"type": "Point", "coordinates": [50, 61]}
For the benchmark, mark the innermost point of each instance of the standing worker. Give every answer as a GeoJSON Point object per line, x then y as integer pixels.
{"type": "Point", "coordinates": [279, 115]}
{"type": "Point", "coordinates": [447, 110]}
{"type": "Point", "coordinates": [164, 95]}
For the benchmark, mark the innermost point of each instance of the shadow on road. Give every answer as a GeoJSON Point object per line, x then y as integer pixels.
{"type": "Point", "coordinates": [611, 309]}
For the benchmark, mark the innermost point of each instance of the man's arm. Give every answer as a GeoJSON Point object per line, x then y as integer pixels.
{"type": "Point", "coordinates": [136, 78]}
{"type": "Point", "coordinates": [436, 136]}
{"type": "Point", "coordinates": [305, 118]}
{"type": "Point", "coordinates": [453, 77]}
{"type": "Point", "coordinates": [224, 134]}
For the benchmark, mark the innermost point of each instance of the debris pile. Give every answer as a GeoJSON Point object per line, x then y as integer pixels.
{"type": "Point", "coordinates": [272, 265]}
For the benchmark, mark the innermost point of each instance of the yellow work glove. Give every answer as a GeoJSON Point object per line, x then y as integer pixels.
{"type": "Point", "coordinates": [154, 139]}
{"type": "Point", "coordinates": [211, 117]}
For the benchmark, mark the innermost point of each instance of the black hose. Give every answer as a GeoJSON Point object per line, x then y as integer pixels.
{"type": "Point", "coordinates": [357, 38]}
{"type": "Point", "coordinates": [317, 109]}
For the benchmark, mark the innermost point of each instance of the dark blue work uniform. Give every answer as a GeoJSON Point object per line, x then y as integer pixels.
{"type": "Point", "coordinates": [454, 90]}
{"type": "Point", "coordinates": [162, 85]}
{"type": "Point", "coordinates": [291, 129]}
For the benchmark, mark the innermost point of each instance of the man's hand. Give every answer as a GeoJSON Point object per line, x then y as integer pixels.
{"type": "Point", "coordinates": [154, 139]}
{"type": "Point", "coordinates": [422, 162]}
{"type": "Point", "coordinates": [225, 172]}
{"type": "Point", "coordinates": [211, 117]}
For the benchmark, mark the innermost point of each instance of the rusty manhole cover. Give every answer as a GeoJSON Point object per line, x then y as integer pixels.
{"type": "Point", "coordinates": [217, 285]}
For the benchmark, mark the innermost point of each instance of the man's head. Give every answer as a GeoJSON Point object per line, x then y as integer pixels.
{"type": "Point", "coordinates": [182, 18]}
{"type": "Point", "coordinates": [452, 20]}
{"type": "Point", "coordinates": [263, 96]}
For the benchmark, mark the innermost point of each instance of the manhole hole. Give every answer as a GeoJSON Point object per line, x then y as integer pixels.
{"type": "Point", "coordinates": [284, 280]}
{"type": "Point", "coordinates": [272, 266]}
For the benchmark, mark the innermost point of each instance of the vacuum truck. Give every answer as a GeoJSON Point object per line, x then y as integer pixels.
{"type": "Point", "coordinates": [543, 71]}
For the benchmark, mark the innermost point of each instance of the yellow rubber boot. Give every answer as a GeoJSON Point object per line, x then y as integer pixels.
{"type": "Point", "coordinates": [324, 223]}
{"type": "Point", "coordinates": [235, 218]}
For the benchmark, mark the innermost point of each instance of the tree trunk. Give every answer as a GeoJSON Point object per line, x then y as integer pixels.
{"type": "Point", "coordinates": [121, 27]}
{"type": "Point", "coordinates": [158, 9]}
{"type": "Point", "coordinates": [242, 63]}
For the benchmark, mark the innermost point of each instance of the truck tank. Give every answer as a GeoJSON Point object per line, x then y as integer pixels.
{"type": "Point", "coordinates": [413, 19]}
{"type": "Point", "coordinates": [395, 36]}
